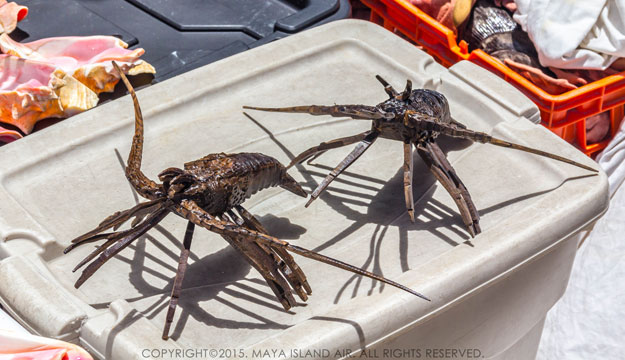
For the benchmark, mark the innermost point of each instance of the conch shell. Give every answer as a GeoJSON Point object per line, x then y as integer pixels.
{"type": "Point", "coordinates": [32, 90]}
{"type": "Point", "coordinates": [10, 14]}
{"type": "Point", "coordinates": [6, 135]}
{"type": "Point", "coordinates": [86, 58]}
{"type": "Point", "coordinates": [22, 346]}
{"type": "Point", "coordinates": [56, 77]}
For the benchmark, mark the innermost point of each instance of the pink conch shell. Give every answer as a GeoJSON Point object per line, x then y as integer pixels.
{"type": "Point", "coordinates": [22, 346]}
{"type": "Point", "coordinates": [32, 90]}
{"type": "Point", "coordinates": [7, 135]}
{"type": "Point", "coordinates": [86, 58]}
{"type": "Point", "coordinates": [10, 14]}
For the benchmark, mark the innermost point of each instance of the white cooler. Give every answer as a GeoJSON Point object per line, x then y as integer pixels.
{"type": "Point", "coordinates": [489, 294]}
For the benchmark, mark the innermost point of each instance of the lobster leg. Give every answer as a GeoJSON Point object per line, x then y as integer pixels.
{"type": "Point", "coordinates": [327, 145]}
{"type": "Point", "coordinates": [408, 180]}
{"type": "Point", "coordinates": [265, 262]}
{"type": "Point", "coordinates": [110, 237]}
{"type": "Point", "coordinates": [182, 267]}
{"type": "Point", "coordinates": [441, 174]}
{"type": "Point", "coordinates": [113, 221]}
{"type": "Point", "coordinates": [362, 146]}
{"type": "Point", "coordinates": [440, 157]}
{"type": "Point", "coordinates": [191, 211]}
{"type": "Point", "coordinates": [128, 237]}
{"type": "Point", "coordinates": [288, 266]}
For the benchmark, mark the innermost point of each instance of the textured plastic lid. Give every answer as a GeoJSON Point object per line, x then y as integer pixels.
{"type": "Point", "coordinates": [51, 18]}
{"type": "Point", "coordinates": [179, 35]}
{"type": "Point", "coordinates": [62, 181]}
{"type": "Point", "coordinates": [259, 18]}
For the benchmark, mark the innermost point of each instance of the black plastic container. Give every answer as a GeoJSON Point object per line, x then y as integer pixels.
{"type": "Point", "coordinates": [179, 35]}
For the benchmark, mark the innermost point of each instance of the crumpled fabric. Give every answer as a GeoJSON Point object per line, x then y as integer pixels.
{"type": "Point", "coordinates": [10, 14]}
{"type": "Point", "coordinates": [494, 31]}
{"type": "Point", "coordinates": [588, 322]}
{"type": "Point", "coordinates": [612, 161]}
{"type": "Point", "coordinates": [22, 346]}
{"type": "Point", "coordinates": [569, 34]}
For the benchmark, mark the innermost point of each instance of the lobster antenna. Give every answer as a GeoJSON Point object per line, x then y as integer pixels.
{"type": "Point", "coordinates": [133, 166]}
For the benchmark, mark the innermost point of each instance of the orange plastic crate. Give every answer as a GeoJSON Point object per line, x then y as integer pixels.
{"type": "Point", "coordinates": [564, 114]}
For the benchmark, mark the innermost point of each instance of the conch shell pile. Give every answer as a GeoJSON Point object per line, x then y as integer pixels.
{"type": "Point", "coordinates": [56, 77]}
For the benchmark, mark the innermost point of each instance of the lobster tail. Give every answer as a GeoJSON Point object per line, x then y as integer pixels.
{"type": "Point", "coordinates": [288, 183]}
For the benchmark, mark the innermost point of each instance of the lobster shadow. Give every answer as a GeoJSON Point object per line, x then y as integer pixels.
{"type": "Point", "coordinates": [224, 272]}
{"type": "Point", "coordinates": [433, 216]}
{"type": "Point", "coordinates": [386, 207]}
{"type": "Point", "coordinates": [206, 278]}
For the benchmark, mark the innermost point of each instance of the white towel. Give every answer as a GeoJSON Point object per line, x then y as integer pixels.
{"type": "Point", "coordinates": [574, 34]}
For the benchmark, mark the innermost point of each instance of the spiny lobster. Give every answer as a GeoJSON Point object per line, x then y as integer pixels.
{"type": "Point", "coordinates": [416, 118]}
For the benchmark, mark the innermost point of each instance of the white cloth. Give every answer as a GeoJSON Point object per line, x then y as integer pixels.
{"type": "Point", "coordinates": [589, 321]}
{"type": "Point", "coordinates": [612, 160]}
{"type": "Point", "coordinates": [574, 34]}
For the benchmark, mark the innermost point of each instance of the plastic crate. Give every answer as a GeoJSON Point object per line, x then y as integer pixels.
{"type": "Point", "coordinates": [564, 114]}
